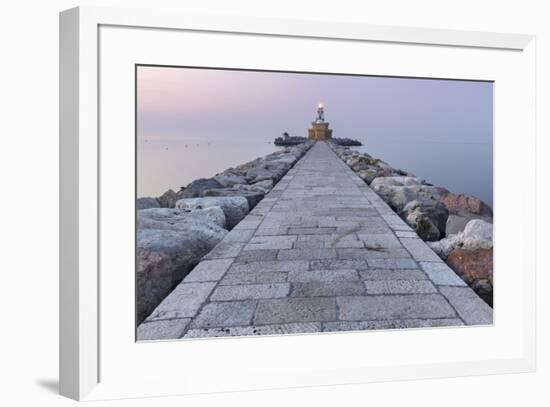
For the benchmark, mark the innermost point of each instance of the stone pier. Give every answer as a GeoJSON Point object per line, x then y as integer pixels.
{"type": "Point", "coordinates": [321, 252]}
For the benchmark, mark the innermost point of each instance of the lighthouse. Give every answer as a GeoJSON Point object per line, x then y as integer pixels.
{"type": "Point", "coordinates": [319, 128]}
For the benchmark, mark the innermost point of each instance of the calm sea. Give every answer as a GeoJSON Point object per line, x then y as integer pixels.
{"type": "Point", "coordinates": [459, 167]}
{"type": "Point", "coordinates": [171, 164]}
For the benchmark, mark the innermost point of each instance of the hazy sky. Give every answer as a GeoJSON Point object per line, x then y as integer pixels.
{"type": "Point", "coordinates": [176, 102]}
{"type": "Point", "coordinates": [407, 122]}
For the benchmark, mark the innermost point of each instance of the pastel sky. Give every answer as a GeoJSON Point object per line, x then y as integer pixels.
{"type": "Point", "coordinates": [403, 121]}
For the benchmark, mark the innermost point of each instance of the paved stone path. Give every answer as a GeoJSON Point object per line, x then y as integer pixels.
{"type": "Point", "coordinates": [321, 252]}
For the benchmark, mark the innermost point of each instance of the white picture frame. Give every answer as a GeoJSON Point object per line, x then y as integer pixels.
{"type": "Point", "coordinates": [87, 349]}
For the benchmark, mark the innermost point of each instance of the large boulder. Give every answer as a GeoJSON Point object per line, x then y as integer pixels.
{"type": "Point", "coordinates": [145, 203]}
{"type": "Point", "coordinates": [265, 186]}
{"type": "Point", "coordinates": [168, 199]}
{"type": "Point", "coordinates": [370, 174]}
{"type": "Point", "coordinates": [424, 221]}
{"type": "Point", "coordinates": [185, 249]}
{"type": "Point", "coordinates": [466, 204]}
{"type": "Point", "coordinates": [155, 279]}
{"type": "Point", "coordinates": [260, 173]}
{"type": "Point", "coordinates": [457, 222]}
{"type": "Point", "coordinates": [197, 188]}
{"type": "Point", "coordinates": [400, 196]}
{"type": "Point", "coordinates": [478, 234]}
{"type": "Point", "coordinates": [179, 219]}
{"type": "Point", "coordinates": [428, 218]}
{"type": "Point", "coordinates": [475, 267]}
{"type": "Point", "coordinates": [445, 246]}
{"type": "Point", "coordinates": [252, 195]}
{"type": "Point", "coordinates": [243, 168]}
{"type": "Point", "coordinates": [170, 242]}
{"type": "Point", "coordinates": [285, 160]}
{"type": "Point", "coordinates": [360, 162]}
{"type": "Point", "coordinates": [229, 179]}
{"type": "Point", "coordinates": [416, 202]}
{"type": "Point", "coordinates": [235, 208]}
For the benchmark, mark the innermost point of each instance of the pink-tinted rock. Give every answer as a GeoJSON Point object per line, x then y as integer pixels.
{"type": "Point", "coordinates": [442, 191]}
{"type": "Point", "coordinates": [461, 203]}
{"type": "Point", "coordinates": [475, 267]}
{"type": "Point", "coordinates": [155, 279]}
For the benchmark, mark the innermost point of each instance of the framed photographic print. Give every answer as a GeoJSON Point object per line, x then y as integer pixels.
{"type": "Point", "coordinates": [278, 204]}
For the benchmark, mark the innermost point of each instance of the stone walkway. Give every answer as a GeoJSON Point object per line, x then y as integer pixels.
{"type": "Point", "coordinates": [321, 252]}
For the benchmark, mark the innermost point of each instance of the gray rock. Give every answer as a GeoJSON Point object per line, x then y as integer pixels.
{"type": "Point", "coordinates": [179, 219]}
{"type": "Point", "coordinates": [400, 196]}
{"type": "Point", "coordinates": [184, 247]}
{"type": "Point", "coordinates": [478, 234]}
{"type": "Point", "coordinates": [359, 162]}
{"type": "Point", "coordinates": [168, 199]}
{"type": "Point", "coordinates": [419, 204]}
{"type": "Point", "coordinates": [396, 181]}
{"type": "Point", "coordinates": [252, 195]}
{"type": "Point", "coordinates": [369, 175]}
{"type": "Point", "coordinates": [264, 186]}
{"type": "Point", "coordinates": [445, 246]}
{"type": "Point", "coordinates": [259, 173]}
{"type": "Point", "coordinates": [197, 187]}
{"type": "Point", "coordinates": [457, 222]}
{"type": "Point", "coordinates": [146, 203]}
{"type": "Point", "coordinates": [155, 278]}
{"type": "Point", "coordinates": [235, 208]}
{"type": "Point", "coordinates": [170, 242]}
{"type": "Point", "coordinates": [428, 219]}
{"type": "Point", "coordinates": [228, 179]}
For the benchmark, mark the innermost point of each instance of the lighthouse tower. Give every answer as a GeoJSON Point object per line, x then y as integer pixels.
{"type": "Point", "coordinates": [319, 128]}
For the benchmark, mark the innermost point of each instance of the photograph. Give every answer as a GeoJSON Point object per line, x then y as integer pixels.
{"type": "Point", "coordinates": [279, 202]}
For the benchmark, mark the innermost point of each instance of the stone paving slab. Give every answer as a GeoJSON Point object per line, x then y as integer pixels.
{"type": "Point", "coordinates": [183, 302]}
{"type": "Point", "coordinates": [441, 274]}
{"type": "Point", "coordinates": [296, 310]}
{"type": "Point", "coordinates": [400, 287]}
{"type": "Point", "coordinates": [371, 307]}
{"type": "Point", "coordinates": [390, 324]}
{"type": "Point", "coordinates": [209, 270]}
{"type": "Point", "coordinates": [326, 276]}
{"type": "Point", "coordinates": [222, 314]}
{"type": "Point", "coordinates": [278, 329]}
{"type": "Point", "coordinates": [469, 306]}
{"type": "Point", "coordinates": [250, 292]}
{"type": "Point", "coordinates": [321, 252]}
{"type": "Point", "coordinates": [164, 329]}
{"type": "Point", "coordinates": [254, 277]}
{"type": "Point", "coordinates": [322, 289]}
{"type": "Point", "coordinates": [392, 274]}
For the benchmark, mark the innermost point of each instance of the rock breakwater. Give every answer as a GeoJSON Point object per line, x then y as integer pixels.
{"type": "Point", "coordinates": [177, 229]}
{"type": "Point", "coordinates": [457, 227]}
